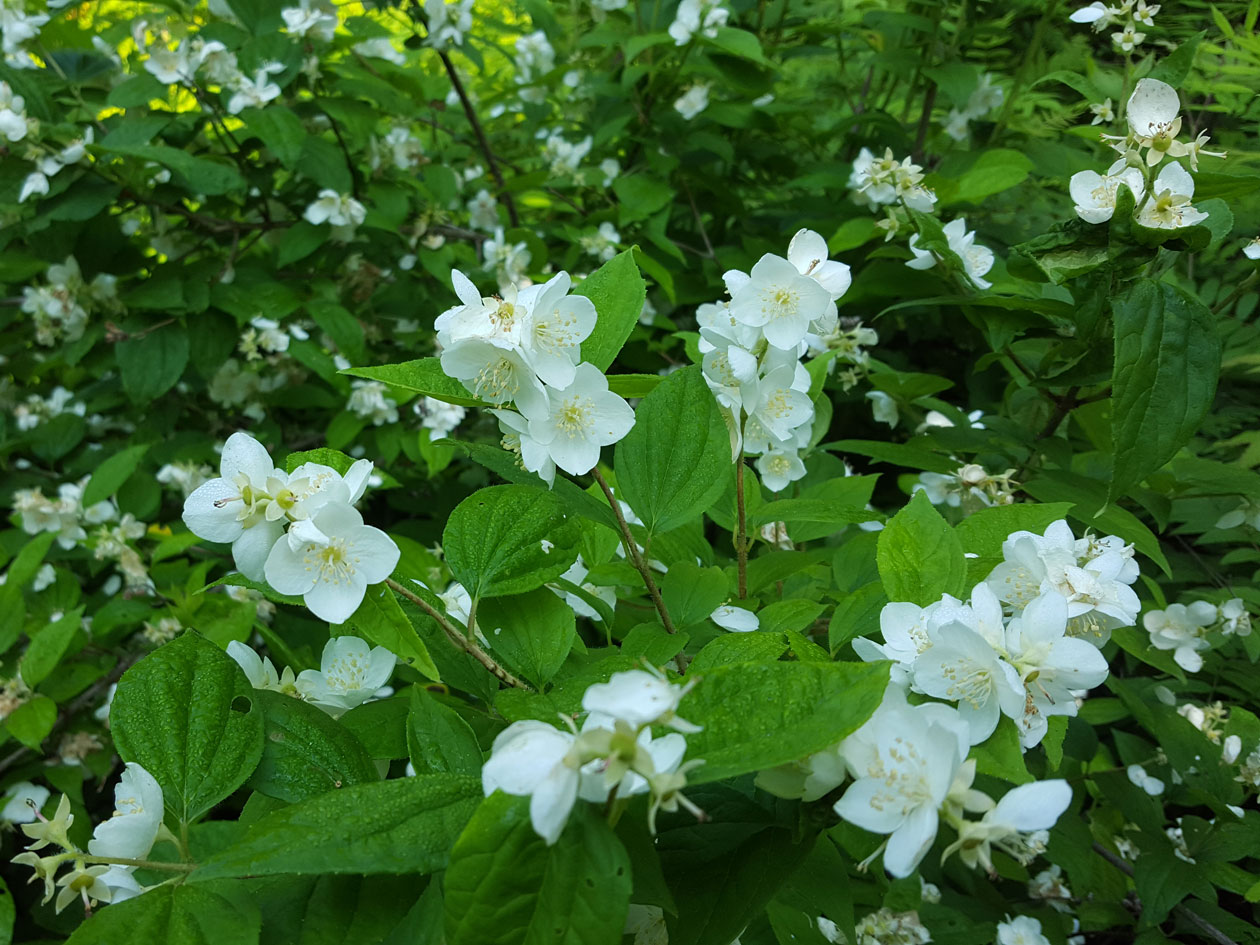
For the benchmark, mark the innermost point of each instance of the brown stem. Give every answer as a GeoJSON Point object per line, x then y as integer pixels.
{"type": "Point", "coordinates": [462, 642]}
{"type": "Point", "coordinates": [695, 211]}
{"type": "Point", "coordinates": [741, 529]}
{"type": "Point", "coordinates": [481, 137]}
{"type": "Point", "coordinates": [632, 552]}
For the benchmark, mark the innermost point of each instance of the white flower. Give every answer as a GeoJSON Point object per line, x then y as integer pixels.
{"type": "Point", "coordinates": [781, 301]}
{"type": "Point", "coordinates": [35, 183]}
{"type": "Point", "coordinates": [534, 759]}
{"type": "Point", "coordinates": [1096, 13]}
{"type": "Point", "coordinates": [1144, 13]}
{"type": "Point", "coordinates": [1252, 249]}
{"type": "Point", "coordinates": [1183, 630]}
{"type": "Point", "coordinates": [554, 326]}
{"type": "Point", "coordinates": [312, 20]}
{"type": "Point", "coordinates": [233, 507]}
{"type": "Point", "coordinates": [602, 243]}
{"type": "Point", "coordinates": [496, 375]}
{"type": "Point", "coordinates": [639, 698]}
{"type": "Point", "coordinates": [1095, 195]}
{"type": "Point", "coordinates": [1050, 664]}
{"type": "Point", "coordinates": [330, 559]}
{"type": "Point", "coordinates": [779, 469]}
{"type": "Point", "coordinates": [903, 761]}
{"type": "Point", "coordinates": [883, 407]}
{"type": "Point", "coordinates": [611, 169]}
{"type": "Point", "coordinates": [483, 211]}
{"type": "Point", "coordinates": [1231, 748]}
{"type": "Point", "coordinates": [1102, 112]}
{"type": "Point", "coordinates": [349, 675]}
{"type": "Point", "coordinates": [337, 209]}
{"type": "Point", "coordinates": [808, 253]}
{"type": "Point", "coordinates": [1169, 207]}
{"type": "Point", "coordinates": [961, 666]}
{"type": "Point", "coordinates": [1234, 618]}
{"type": "Point", "coordinates": [447, 23]}
{"type": "Point", "coordinates": [83, 882]}
{"type": "Point", "coordinates": [1092, 575]}
{"type": "Point", "coordinates": [692, 102]}
{"type": "Point", "coordinates": [1017, 824]}
{"type": "Point", "coordinates": [697, 16]}
{"type": "Point", "coordinates": [517, 439]}
{"type": "Point", "coordinates": [260, 671]}
{"type": "Point", "coordinates": [257, 92]}
{"type": "Point", "coordinates": [371, 401]}
{"type": "Point", "coordinates": [976, 259]}
{"type": "Point", "coordinates": [1128, 38]}
{"type": "Point", "coordinates": [735, 619]}
{"type": "Point", "coordinates": [21, 800]}
{"type": "Point", "coordinates": [1021, 930]}
{"type": "Point", "coordinates": [380, 48]}
{"type": "Point", "coordinates": [957, 125]}
{"type": "Point", "coordinates": [580, 419]}
{"type": "Point", "coordinates": [1148, 783]}
{"type": "Point", "coordinates": [138, 812]}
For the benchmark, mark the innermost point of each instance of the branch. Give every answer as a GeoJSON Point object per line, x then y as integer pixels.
{"type": "Point", "coordinates": [1180, 909]}
{"type": "Point", "coordinates": [462, 642]}
{"type": "Point", "coordinates": [632, 552]}
{"type": "Point", "coordinates": [481, 136]}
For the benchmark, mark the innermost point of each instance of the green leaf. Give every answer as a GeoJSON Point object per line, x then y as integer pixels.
{"type": "Point", "coordinates": [983, 532]}
{"type": "Point", "coordinates": [18, 576]}
{"type": "Point", "coordinates": [299, 241]}
{"type": "Point", "coordinates": [150, 365]}
{"type": "Point", "coordinates": [1167, 358]}
{"type": "Point", "coordinates": [334, 459]}
{"type": "Point", "coordinates": [856, 615]}
{"type": "Point", "coordinates": [438, 739]}
{"type": "Point", "coordinates": [633, 385]}
{"type": "Point", "coordinates": [174, 915]}
{"type": "Point", "coordinates": [186, 713]}
{"type": "Point", "coordinates": [506, 886]}
{"type": "Point", "coordinates": [1174, 67]}
{"type": "Point", "coordinates": [641, 195]}
{"type": "Point", "coordinates": [533, 632]}
{"type": "Point", "coordinates": [339, 910]}
{"type": "Point", "coordinates": [758, 715]}
{"type": "Point", "coordinates": [424, 376]}
{"type": "Point", "coordinates": [48, 646]}
{"type": "Point", "coordinates": [280, 130]}
{"type": "Point", "coordinates": [381, 620]}
{"type": "Point", "coordinates": [1001, 756]}
{"type": "Point", "coordinates": [691, 592]}
{"type": "Point", "coordinates": [997, 169]}
{"type": "Point", "coordinates": [754, 647]}
{"type": "Point", "coordinates": [920, 557]}
{"type": "Point", "coordinates": [508, 539]}
{"type": "Point", "coordinates": [202, 175]}
{"type": "Point", "coordinates": [811, 511]}
{"type": "Point", "coordinates": [618, 292]}
{"type": "Point", "coordinates": [1162, 881]}
{"type": "Point", "coordinates": [675, 461]}
{"type": "Point", "coordinates": [305, 753]}
{"type": "Point", "coordinates": [31, 722]}
{"type": "Point", "coordinates": [406, 825]}
{"type": "Point", "coordinates": [112, 473]}
{"type": "Point", "coordinates": [8, 913]}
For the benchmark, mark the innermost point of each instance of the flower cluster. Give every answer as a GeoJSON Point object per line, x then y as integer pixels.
{"type": "Point", "coordinates": [60, 309]}
{"type": "Point", "coordinates": [984, 98]}
{"type": "Point", "coordinates": [752, 346]}
{"type": "Point", "coordinates": [49, 163]}
{"type": "Point", "coordinates": [37, 409]}
{"type": "Point", "coordinates": [970, 487]}
{"type": "Point", "coordinates": [1162, 202]}
{"type": "Point", "coordinates": [703, 17]}
{"type": "Point", "coordinates": [327, 555]}
{"type": "Point", "coordinates": [909, 770]}
{"type": "Point", "coordinates": [523, 350]}
{"type": "Point", "coordinates": [613, 755]}
{"type": "Point", "coordinates": [350, 674]}
{"type": "Point", "coordinates": [1128, 15]}
{"type": "Point", "coordinates": [103, 873]}
{"type": "Point", "coordinates": [1185, 629]}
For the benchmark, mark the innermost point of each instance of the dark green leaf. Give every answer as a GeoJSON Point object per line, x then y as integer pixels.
{"type": "Point", "coordinates": [439, 739]}
{"type": "Point", "coordinates": [617, 290]}
{"type": "Point", "coordinates": [920, 557]}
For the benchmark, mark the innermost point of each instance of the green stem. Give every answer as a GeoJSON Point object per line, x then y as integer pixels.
{"type": "Point", "coordinates": [741, 528]}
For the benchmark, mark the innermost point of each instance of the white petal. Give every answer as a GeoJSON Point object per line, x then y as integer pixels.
{"type": "Point", "coordinates": [1035, 806]}
{"type": "Point", "coordinates": [243, 454]}
{"type": "Point", "coordinates": [213, 522]}
{"type": "Point", "coordinates": [285, 571]}
{"type": "Point", "coordinates": [250, 551]}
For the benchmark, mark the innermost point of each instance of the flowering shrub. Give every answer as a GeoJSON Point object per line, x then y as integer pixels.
{"type": "Point", "coordinates": [698, 472]}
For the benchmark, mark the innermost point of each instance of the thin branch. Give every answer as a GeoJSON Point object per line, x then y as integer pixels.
{"type": "Point", "coordinates": [632, 552]}
{"type": "Point", "coordinates": [704, 235]}
{"type": "Point", "coordinates": [1181, 909]}
{"type": "Point", "coordinates": [460, 640]}
{"type": "Point", "coordinates": [481, 137]}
